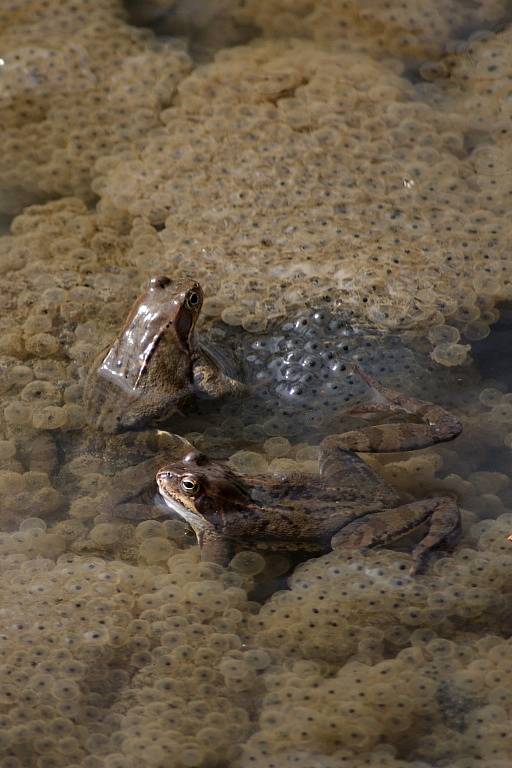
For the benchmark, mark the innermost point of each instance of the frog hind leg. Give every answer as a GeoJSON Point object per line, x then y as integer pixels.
{"type": "Point", "coordinates": [435, 425]}
{"type": "Point", "coordinates": [381, 528]}
{"type": "Point", "coordinates": [344, 470]}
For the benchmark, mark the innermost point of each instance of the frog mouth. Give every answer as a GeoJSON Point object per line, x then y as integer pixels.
{"type": "Point", "coordinates": [184, 324]}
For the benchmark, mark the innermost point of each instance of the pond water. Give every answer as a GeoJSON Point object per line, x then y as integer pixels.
{"type": "Point", "coordinates": [337, 176]}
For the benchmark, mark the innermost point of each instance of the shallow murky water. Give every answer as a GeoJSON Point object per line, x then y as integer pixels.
{"type": "Point", "coordinates": [337, 176]}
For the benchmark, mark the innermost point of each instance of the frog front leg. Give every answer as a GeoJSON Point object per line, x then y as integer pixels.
{"type": "Point", "coordinates": [381, 528]}
{"type": "Point", "coordinates": [436, 424]}
{"type": "Point", "coordinates": [215, 548]}
{"type": "Point", "coordinates": [215, 373]}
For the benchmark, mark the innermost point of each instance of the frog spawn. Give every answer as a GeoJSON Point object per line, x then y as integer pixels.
{"type": "Point", "coordinates": [403, 651]}
{"type": "Point", "coordinates": [61, 78]}
{"type": "Point", "coordinates": [302, 381]}
{"type": "Point", "coordinates": [412, 31]}
{"type": "Point", "coordinates": [327, 662]}
{"type": "Point", "coordinates": [383, 258]}
{"type": "Point", "coordinates": [56, 262]}
{"type": "Point", "coordinates": [311, 358]}
{"type": "Point", "coordinates": [344, 667]}
{"type": "Point", "coordinates": [167, 633]}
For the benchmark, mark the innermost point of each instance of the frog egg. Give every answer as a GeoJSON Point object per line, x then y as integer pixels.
{"type": "Point", "coordinates": [11, 482]}
{"type": "Point", "coordinates": [42, 345]}
{"type": "Point", "coordinates": [307, 453]}
{"type": "Point", "coordinates": [11, 762]}
{"type": "Point", "coordinates": [248, 563]}
{"type": "Point", "coordinates": [283, 467]}
{"type": "Point", "coordinates": [450, 354]}
{"type": "Point", "coordinates": [477, 331]}
{"type": "Point", "coordinates": [11, 344]}
{"type": "Point", "coordinates": [444, 334]}
{"type": "Point", "coordinates": [18, 414]}
{"type": "Point", "coordinates": [248, 462]}
{"type": "Point", "coordinates": [501, 413]}
{"type": "Point", "coordinates": [7, 450]}
{"type": "Point", "coordinates": [232, 316]}
{"type": "Point", "coordinates": [65, 689]}
{"type": "Point", "coordinates": [19, 375]}
{"type": "Point", "coordinates": [84, 507]}
{"type": "Point", "coordinates": [489, 482]}
{"type": "Point", "coordinates": [74, 416]}
{"type": "Point", "coordinates": [105, 534]}
{"type": "Point", "coordinates": [149, 528]}
{"type": "Point", "coordinates": [50, 417]}
{"type": "Point", "coordinates": [191, 755]}
{"type": "Point", "coordinates": [73, 393]}
{"type": "Point", "coordinates": [33, 524]}
{"type": "Point", "coordinates": [258, 659]}
{"type": "Point", "coordinates": [176, 530]}
{"type": "Point", "coordinates": [156, 549]}
{"type": "Point", "coordinates": [277, 447]}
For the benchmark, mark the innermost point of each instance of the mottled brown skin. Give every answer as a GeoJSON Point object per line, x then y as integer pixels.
{"type": "Point", "coordinates": [347, 506]}
{"type": "Point", "coordinates": [155, 365]}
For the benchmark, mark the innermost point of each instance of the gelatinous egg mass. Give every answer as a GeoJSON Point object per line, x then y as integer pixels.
{"type": "Point", "coordinates": [302, 380]}
{"type": "Point", "coordinates": [338, 178]}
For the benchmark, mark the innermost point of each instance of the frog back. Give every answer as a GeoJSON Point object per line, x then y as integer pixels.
{"type": "Point", "coordinates": [296, 513]}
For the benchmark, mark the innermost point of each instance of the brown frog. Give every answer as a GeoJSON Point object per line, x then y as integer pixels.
{"type": "Point", "coordinates": [347, 506]}
{"type": "Point", "coordinates": [156, 364]}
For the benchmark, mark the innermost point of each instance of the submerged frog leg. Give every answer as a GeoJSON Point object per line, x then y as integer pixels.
{"type": "Point", "coordinates": [341, 467]}
{"type": "Point", "coordinates": [137, 513]}
{"type": "Point", "coordinates": [211, 383]}
{"type": "Point", "coordinates": [215, 548]}
{"type": "Point", "coordinates": [215, 373]}
{"type": "Point", "coordinates": [135, 480]}
{"type": "Point", "coordinates": [437, 424]}
{"type": "Point", "coordinates": [381, 528]}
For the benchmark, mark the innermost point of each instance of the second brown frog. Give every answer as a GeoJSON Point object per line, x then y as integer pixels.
{"type": "Point", "coordinates": [156, 364]}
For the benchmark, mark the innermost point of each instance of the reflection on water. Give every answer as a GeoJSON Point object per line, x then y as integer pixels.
{"type": "Point", "coordinates": [492, 354]}
{"type": "Point", "coordinates": [204, 27]}
{"type": "Point", "coordinates": [4, 224]}
{"type": "Point", "coordinates": [304, 168]}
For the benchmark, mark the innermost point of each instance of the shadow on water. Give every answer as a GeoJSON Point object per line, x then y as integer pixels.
{"type": "Point", "coordinates": [204, 27]}
{"type": "Point", "coordinates": [492, 355]}
{"type": "Point", "coordinates": [5, 223]}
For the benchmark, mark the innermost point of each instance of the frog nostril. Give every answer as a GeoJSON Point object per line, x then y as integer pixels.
{"type": "Point", "coordinates": [160, 282]}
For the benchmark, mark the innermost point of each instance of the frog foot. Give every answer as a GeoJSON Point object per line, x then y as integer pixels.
{"type": "Point", "coordinates": [435, 424]}
{"type": "Point", "coordinates": [381, 528]}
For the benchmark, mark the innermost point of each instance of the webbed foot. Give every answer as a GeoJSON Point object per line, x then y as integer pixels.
{"type": "Point", "coordinates": [435, 425]}
{"type": "Point", "coordinates": [381, 528]}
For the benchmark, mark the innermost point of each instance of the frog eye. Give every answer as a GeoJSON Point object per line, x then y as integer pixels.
{"type": "Point", "coordinates": [189, 485]}
{"type": "Point", "coordinates": [193, 300]}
